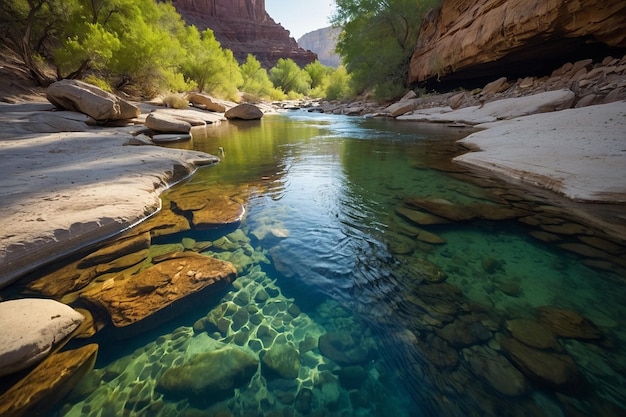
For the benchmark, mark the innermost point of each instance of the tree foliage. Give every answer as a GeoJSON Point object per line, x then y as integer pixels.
{"type": "Point", "coordinates": [144, 47]}
{"type": "Point", "coordinates": [377, 41]}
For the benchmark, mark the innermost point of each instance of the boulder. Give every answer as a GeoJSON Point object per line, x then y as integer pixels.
{"type": "Point", "coordinates": [420, 217]}
{"type": "Point", "coordinates": [45, 385]}
{"type": "Point", "coordinates": [161, 122]}
{"type": "Point", "coordinates": [244, 112]}
{"type": "Point", "coordinates": [495, 87]}
{"type": "Point", "coordinates": [282, 360]}
{"type": "Point", "coordinates": [85, 98]}
{"type": "Point", "coordinates": [402, 107]}
{"type": "Point", "coordinates": [30, 329]}
{"type": "Point", "coordinates": [180, 275]}
{"type": "Point", "coordinates": [209, 377]}
{"type": "Point", "coordinates": [209, 103]}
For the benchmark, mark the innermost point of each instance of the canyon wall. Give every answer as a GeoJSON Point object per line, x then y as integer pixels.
{"type": "Point", "coordinates": [244, 27]}
{"type": "Point", "coordinates": [323, 42]}
{"type": "Point", "coordinates": [478, 40]}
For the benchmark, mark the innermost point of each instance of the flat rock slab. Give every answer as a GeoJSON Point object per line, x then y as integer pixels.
{"type": "Point", "coordinates": [576, 152]}
{"type": "Point", "coordinates": [136, 298]}
{"type": "Point", "coordinates": [30, 329]}
{"type": "Point", "coordinates": [508, 108]}
{"type": "Point", "coordinates": [48, 382]}
{"type": "Point", "coordinates": [60, 192]}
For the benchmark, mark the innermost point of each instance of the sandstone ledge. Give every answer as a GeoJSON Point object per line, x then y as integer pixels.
{"type": "Point", "coordinates": [575, 152]}
{"type": "Point", "coordinates": [64, 191]}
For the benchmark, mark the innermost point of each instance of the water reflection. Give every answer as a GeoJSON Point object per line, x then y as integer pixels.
{"type": "Point", "coordinates": [374, 278]}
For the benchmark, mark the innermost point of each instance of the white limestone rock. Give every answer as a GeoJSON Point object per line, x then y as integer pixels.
{"type": "Point", "coordinates": [30, 329]}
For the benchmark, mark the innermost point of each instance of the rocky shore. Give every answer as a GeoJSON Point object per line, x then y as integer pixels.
{"type": "Point", "coordinates": [77, 176]}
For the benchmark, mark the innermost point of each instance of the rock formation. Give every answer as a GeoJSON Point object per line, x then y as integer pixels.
{"type": "Point", "coordinates": [244, 27]}
{"type": "Point", "coordinates": [473, 41]}
{"type": "Point", "coordinates": [323, 42]}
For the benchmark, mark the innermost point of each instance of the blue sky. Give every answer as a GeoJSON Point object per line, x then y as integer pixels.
{"type": "Point", "coordinates": [300, 17]}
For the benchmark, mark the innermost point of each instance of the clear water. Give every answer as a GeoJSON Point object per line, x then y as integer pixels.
{"type": "Point", "coordinates": [322, 240]}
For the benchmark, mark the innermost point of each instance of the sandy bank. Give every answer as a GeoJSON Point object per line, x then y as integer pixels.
{"type": "Point", "coordinates": [62, 191]}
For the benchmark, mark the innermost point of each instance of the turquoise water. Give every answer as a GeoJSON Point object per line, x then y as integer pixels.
{"type": "Point", "coordinates": [381, 322]}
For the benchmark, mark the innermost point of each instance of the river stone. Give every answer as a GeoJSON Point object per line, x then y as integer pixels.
{"type": "Point", "coordinates": [210, 212]}
{"type": "Point", "coordinates": [533, 334]}
{"type": "Point", "coordinates": [420, 217]}
{"type": "Point", "coordinates": [342, 348]}
{"type": "Point", "coordinates": [48, 382]}
{"type": "Point", "coordinates": [438, 352]}
{"type": "Point", "coordinates": [161, 122]}
{"type": "Point", "coordinates": [182, 274]}
{"type": "Point", "coordinates": [79, 96]}
{"type": "Point", "coordinates": [429, 271]}
{"type": "Point", "coordinates": [442, 208]}
{"type": "Point", "coordinates": [567, 323]}
{"type": "Point", "coordinates": [552, 370]}
{"type": "Point", "coordinates": [30, 329]}
{"type": "Point", "coordinates": [461, 333]}
{"type": "Point", "coordinates": [211, 376]}
{"type": "Point", "coordinates": [165, 222]}
{"type": "Point", "coordinates": [495, 370]}
{"type": "Point", "coordinates": [244, 111]}
{"type": "Point", "coordinates": [282, 360]}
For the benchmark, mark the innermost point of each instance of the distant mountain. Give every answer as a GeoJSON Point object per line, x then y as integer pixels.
{"type": "Point", "coordinates": [323, 42]}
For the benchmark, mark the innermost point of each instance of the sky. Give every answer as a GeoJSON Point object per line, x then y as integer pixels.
{"type": "Point", "coordinates": [302, 16]}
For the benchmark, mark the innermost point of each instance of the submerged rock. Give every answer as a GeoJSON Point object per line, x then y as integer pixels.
{"type": "Point", "coordinates": [533, 334]}
{"type": "Point", "coordinates": [342, 348]}
{"type": "Point", "coordinates": [182, 274]}
{"type": "Point", "coordinates": [495, 370]}
{"type": "Point", "coordinates": [569, 324]}
{"type": "Point", "coordinates": [462, 333]}
{"type": "Point", "coordinates": [552, 370]}
{"type": "Point", "coordinates": [210, 377]}
{"type": "Point", "coordinates": [209, 212]}
{"type": "Point", "coordinates": [48, 382]}
{"type": "Point", "coordinates": [420, 217]}
{"type": "Point", "coordinates": [30, 329]}
{"type": "Point", "coordinates": [282, 360]}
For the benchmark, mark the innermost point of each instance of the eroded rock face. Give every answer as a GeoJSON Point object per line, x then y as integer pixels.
{"type": "Point", "coordinates": [134, 299]}
{"type": "Point", "coordinates": [487, 38]}
{"type": "Point", "coordinates": [244, 27]}
{"type": "Point", "coordinates": [29, 330]}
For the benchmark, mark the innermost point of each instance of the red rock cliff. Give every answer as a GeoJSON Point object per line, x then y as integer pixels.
{"type": "Point", "coordinates": [244, 27]}
{"type": "Point", "coordinates": [482, 39]}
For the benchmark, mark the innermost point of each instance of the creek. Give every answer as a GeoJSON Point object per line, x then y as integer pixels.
{"type": "Point", "coordinates": [406, 285]}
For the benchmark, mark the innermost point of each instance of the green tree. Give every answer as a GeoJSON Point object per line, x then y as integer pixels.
{"type": "Point", "coordinates": [339, 85]}
{"type": "Point", "coordinates": [377, 41]}
{"type": "Point", "coordinates": [212, 68]}
{"type": "Point", "coordinates": [30, 28]}
{"type": "Point", "coordinates": [256, 80]}
{"type": "Point", "coordinates": [289, 77]}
